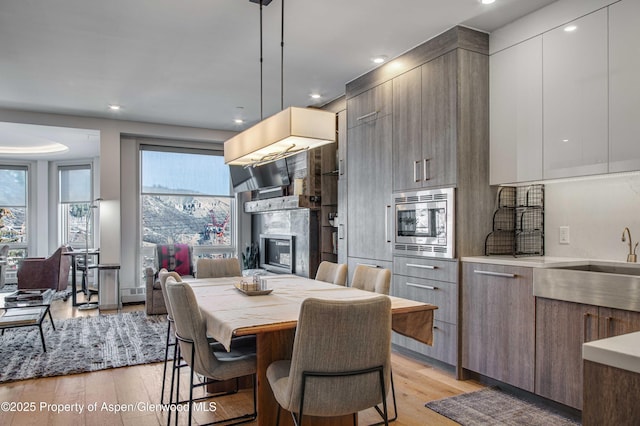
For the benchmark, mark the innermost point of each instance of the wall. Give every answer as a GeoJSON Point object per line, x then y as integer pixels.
{"type": "Point", "coordinates": [596, 211]}
{"type": "Point", "coordinates": [114, 246]}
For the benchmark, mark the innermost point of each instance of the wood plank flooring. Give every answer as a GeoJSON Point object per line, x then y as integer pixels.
{"type": "Point", "coordinates": [135, 391]}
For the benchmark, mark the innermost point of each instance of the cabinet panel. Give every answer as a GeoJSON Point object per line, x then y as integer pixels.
{"type": "Point", "coordinates": [408, 165]}
{"type": "Point", "coordinates": [442, 294]}
{"type": "Point", "coordinates": [445, 343]}
{"type": "Point", "coordinates": [614, 322]}
{"type": "Point", "coordinates": [342, 187]}
{"type": "Point", "coordinates": [624, 91]}
{"type": "Point", "coordinates": [439, 120]}
{"type": "Point", "coordinates": [369, 189]}
{"type": "Point", "coordinates": [575, 98]}
{"type": "Point", "coordinates": [434, 269]}
{"type": "Point", "coordinates": [561, 329]}
{"type": "Point", "coordinates": [370, 105]}
{"type": "Point", "coordinates": [498, 323]}
{"type": "Point", "coordinates": [516, 113]}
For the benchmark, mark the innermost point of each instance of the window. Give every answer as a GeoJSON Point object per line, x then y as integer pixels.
{"type": "Point", "coordinates": [186, 199]}
{"type": "Point", "coordinates": [76, 216]}
{"type": "Point", "coordinates": [13, 214]}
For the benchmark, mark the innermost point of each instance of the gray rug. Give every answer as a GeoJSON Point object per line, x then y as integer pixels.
{"type": "Point", "coordinates": [494, 407]}
{"type": "Point", "coordinates": [82, 344]}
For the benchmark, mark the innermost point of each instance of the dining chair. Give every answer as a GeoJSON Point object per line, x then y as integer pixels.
{"type": "Point", "coordinates": [163, 274]}
{"type": "Point", "coordinates": [336, 374]}
{"type": "Point", "coordinates": [218, 268]}
{"type": "Point", "coordinates": [209, 360]}
{"type": "Point", "coordinates": [377, 280]}
{"type": "Point", "coordinates": [334, 273]}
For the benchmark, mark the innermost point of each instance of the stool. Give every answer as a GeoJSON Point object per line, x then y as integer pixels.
{"type": "Point", "coordinates": [109, 296]}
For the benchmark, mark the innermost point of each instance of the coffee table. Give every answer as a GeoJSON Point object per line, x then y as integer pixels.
{"type": "Point", "coordinates": [27, 313]}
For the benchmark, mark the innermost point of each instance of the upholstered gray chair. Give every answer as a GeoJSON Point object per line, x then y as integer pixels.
{"type": "Point", "coordinates": [338, 373]}
{"type": "Point", "coordinates": [376, 280]}
{"type": "Point", "coordinates": [162, 277]}
{"type": "Point", "coordinates": [334, 273]}
{"type": "Point", "coordinates": [218, 268]}
{"type": "Point", "coordinates": [204, 358]}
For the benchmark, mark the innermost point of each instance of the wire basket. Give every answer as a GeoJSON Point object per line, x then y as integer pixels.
{"type": "Point", "coordinates": [499, 242]}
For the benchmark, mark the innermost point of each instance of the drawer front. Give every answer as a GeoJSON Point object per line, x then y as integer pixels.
{"type": "Point", "coordinates": [445, 343]}
{"type": "Point", "coordinates": [370, 105]}
{"type": "Point", "coordinates": [429, 268]}
{"type": "Point", "coordinates": [352, 262]}
{"type": "Point", "coordinates": [440, 293]}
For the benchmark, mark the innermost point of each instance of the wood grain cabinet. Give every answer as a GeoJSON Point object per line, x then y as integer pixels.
{"type": "Point", "coordinates": [498, 323]}
{"type": "Point", "coordinates": [425, 123]}
{"type": "Point", "coordinates": [561, 329]}
{"type": "Point", "coordinates": [436, 282]}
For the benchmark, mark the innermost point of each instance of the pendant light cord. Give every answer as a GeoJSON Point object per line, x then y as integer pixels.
{"type": "Point", "coordinates": [261, 110]}
{"type": "Point", "coordinates": [282, 59]}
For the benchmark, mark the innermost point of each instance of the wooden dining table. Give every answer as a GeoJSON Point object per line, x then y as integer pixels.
{"type": "Point", "coordinates": [273, 318]}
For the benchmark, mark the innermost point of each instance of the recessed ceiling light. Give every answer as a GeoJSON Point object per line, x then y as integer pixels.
{"type": "Point", "coordinates": [238, 121]}
{"type": "Point", "coordinates": [570, 28]}
{"type": "Point", "coordinates": [379, 59]}
{"type": "Point", "coordinates": [315, 95]}
{"type": "Point", "coordinates": [114, 107]}
{"type": "Point", "coordinates": [33, 148]}
{"type": "Point", "coordinates": [488, 1]}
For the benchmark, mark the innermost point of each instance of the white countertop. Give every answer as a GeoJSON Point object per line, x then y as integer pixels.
{"type": "Point", "coordinates": [543, 261]}
{"type": "Point", "coordinates": [620, 351]}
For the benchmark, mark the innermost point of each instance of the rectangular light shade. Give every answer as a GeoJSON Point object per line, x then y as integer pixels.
{"type": "Point", "coordinates": [291, 129]}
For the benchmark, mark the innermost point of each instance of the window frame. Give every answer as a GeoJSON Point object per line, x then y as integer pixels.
{"type": "Point", "coordinates": [61, 224]}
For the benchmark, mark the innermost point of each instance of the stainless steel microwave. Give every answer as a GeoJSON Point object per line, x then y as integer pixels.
{"type": "Point", "coordinates": [424, 223]}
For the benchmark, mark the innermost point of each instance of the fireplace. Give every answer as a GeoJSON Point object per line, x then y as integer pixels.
{"type": "Point", "coordinates": [277, 253]}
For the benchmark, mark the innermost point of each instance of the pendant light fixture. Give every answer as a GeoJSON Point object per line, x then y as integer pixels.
{"type": "Point", "coordinates": [285, 133]}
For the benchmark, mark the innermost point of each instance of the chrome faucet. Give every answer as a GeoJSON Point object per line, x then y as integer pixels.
{"type": "Point", "coordinates": [631, 257]}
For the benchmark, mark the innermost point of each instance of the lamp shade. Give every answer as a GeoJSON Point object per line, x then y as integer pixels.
{"type": "Point", "coordinates": [280, 135]}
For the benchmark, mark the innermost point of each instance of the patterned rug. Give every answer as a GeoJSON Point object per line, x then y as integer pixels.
{"type": "Point", "coordinates": [78, 345]}
{"type": "Point", "coordinates": [494, 407]}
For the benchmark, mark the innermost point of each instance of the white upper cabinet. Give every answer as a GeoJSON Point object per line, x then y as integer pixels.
{"type": "Point", "coordinates": [624, 89]}
{"type": "Point", "coordinates": [575, 98]}
{"type": "Point", "coordinates": [516, 113]}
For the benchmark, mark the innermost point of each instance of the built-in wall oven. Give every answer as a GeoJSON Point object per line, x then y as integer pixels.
{"type": "Point", "coordinates": [424, 223]}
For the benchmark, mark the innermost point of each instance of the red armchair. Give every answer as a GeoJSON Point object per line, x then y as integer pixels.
{"type": "Point", "coordinates": [52, 272]}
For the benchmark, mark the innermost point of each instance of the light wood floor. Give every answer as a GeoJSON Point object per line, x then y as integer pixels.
{"type": "Point", "coordinates": [137, 390]}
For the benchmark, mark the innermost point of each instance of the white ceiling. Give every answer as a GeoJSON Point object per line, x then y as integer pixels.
{"type": "Point", "coordinates": [196, 62]}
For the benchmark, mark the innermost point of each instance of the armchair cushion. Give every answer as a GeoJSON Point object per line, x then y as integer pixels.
{"type": "Point", "coordinates": [175, 257]}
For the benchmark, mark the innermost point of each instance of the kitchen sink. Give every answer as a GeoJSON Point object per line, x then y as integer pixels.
{"type": "Point", "coordinates": [613, 285]}
{"type": "Point", "coordinates": [621, 269]}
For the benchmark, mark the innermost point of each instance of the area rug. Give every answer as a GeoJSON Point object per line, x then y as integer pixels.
{"type": "Point", "coordinates": [78, 345]}
{"type": "Point", "coordinates": [495, 407]}
{"type": "Point", "coordinates": [58, 295]}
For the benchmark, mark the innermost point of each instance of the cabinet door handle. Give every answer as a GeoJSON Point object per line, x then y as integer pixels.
{"type": "Point", "coordinates": [426, 287]}
{"type": "Point", "coordinates": [585, 324]}
{"type": "Point", "coordinates": [413, 265]}
{"type": "Point", "coordinates": [340, 231]}
{"type": "Point", "coordinates": [362, 117]}
{"type": "Point", "coordinates": [425, 169]}
{"type": "Point", "coordinates": [607, 324]}
{"type": "Point", "coordinates": [370, 265]}
{"type": "Point", "coordinates": [386, 223]}
{"type": "Point", "coordinates": [495, 274]}
{"type": "Point", "coordinates": [341, 167]}
{"type": "Point", "coordinates": [416, 164]}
